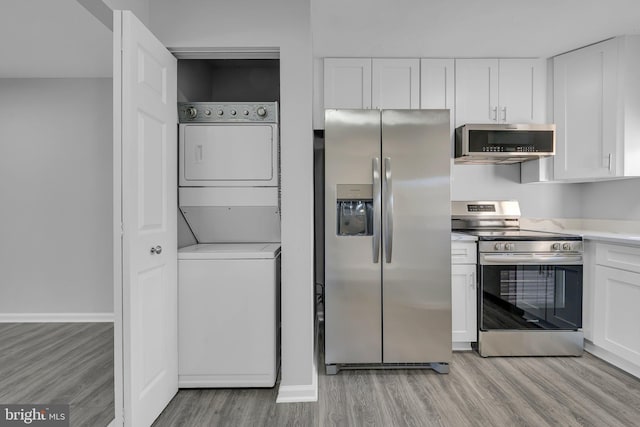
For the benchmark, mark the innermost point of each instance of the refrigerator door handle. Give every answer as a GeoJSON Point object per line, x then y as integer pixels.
{"type": "Point", "coordinates": [387, 187]}
{"type": "Point", "coordinates": [377, 203]}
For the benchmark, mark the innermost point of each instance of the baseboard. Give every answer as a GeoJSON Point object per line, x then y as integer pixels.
{"type": "Point", "coordinates": [303, 393]}
{"type": "Point", "coordinates": [55, 317]}
{"type": "Point", "coordinates": [612, 359]}
{"type": "Point", "coordinates": [297, 393]}
{"type": "Point", "coordinates": [461, 346]}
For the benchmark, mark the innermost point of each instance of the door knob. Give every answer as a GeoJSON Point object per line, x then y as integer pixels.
{"type": "Point", "coordinates": [156, 250]}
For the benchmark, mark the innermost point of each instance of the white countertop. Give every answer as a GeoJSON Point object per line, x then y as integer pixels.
{"type": "Point", "coordinates": [622, 238]}
{"type": "Point", "coordinates": [613, 231]}
{"type": "Point", "coordinates": [461, 237]}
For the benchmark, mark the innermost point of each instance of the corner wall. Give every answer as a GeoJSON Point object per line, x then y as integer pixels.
{"type": "Point", "coordinates": [56, 191]}
{"type": "Point", "coordinates": [284, 25]}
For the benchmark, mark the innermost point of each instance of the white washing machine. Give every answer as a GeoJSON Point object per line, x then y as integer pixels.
{"type": "Point", "coordinates": [228, 315]}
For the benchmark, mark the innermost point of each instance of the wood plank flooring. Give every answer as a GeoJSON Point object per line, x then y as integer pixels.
{"type": "Point", "coordinates": [72, 363]}
{"type": "Point", "coordinates": [518, 391]}
{"type": "Point", "coordinates": [69, 363]}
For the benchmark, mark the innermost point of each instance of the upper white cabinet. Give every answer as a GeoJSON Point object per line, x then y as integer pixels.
{"type": "Point", "coordinates": [500, 91]}
{"type": "Point", "coordinates": [371, 83]}
{"type": "Point", "coordinates": [596, 103]}
{"type": "Point", "coordinates": [395, 83]}
{"type": "Point", "coordinates": [347, 83]}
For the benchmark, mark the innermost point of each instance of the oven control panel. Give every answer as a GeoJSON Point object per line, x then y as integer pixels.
{"type": "Point", "coordinates": [538, 246]}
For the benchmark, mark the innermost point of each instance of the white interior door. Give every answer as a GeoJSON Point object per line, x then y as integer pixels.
{"type": "Point", "coordinates": [145, 135]}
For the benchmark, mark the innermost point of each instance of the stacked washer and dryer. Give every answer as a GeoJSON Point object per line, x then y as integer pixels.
{"type": "Point", "coordinates": [229, 282]}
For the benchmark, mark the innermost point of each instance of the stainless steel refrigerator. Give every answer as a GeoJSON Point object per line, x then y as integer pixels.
{"type": "Point", "coordinates": [387, 239]}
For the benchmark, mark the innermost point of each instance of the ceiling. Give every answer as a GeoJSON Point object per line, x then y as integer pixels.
{"type": "Point", "coordinates": [60, 38]}
{"type": "Point", "coordinates": [45, 38]}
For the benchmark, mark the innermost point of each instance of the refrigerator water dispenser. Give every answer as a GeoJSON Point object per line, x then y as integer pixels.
{"type": "Point", "coordinates": [354, 210]}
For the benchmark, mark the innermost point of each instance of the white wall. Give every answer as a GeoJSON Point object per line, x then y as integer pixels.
{"type": "Point", "coordinates": [619, 199]}
{"type": "Point", "coordinates": [285, 25]}
{"type": "Point", "coordinates": [140, 8]}
{"type": "Point", "coordinates": [502, 182]}
{"type": "Point", "coordinates": [56, 193]}
{"type": "Point", "coordinates": [458, 28]}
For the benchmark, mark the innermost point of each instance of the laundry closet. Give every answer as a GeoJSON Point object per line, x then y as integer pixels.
{"type": "Point", "coordinates": [228, 222]}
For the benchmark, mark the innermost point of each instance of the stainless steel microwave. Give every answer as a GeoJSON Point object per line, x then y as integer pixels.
{"type": "Point", "coordinates": [503, 143]}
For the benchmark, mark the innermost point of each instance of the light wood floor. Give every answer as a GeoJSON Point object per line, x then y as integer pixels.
{"type": "Point", "coordinates": [522, 391]}
{"type": "Point", "coordinates": [70, 363]}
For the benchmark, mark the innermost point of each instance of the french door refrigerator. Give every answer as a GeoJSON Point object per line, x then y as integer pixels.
{"type": "Point", "coordinates": [387, 239]}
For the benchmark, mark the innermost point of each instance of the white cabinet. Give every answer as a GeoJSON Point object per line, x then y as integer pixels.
{"type": "Point", "coordinates": [500, 91]}
{"type": "Point", "coordinates": [616, 298]}
{"type": "Point", "coordinates": [365, 83]}
{"type": "Point", "coordinates": [437, 84]}
{"type": "Point", "coordinates": [347, 83]}
{"type": "Point", "coordinates": [596, 103]}
{"type": "Point", "coordinates": [463, 294]}
{"type": "Point", "coordinates": [395, 83]}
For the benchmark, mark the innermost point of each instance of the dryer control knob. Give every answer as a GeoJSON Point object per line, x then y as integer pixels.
{"type": "Point", "coordinates": [191, 112]}
{"type": "Point", "coordinates": [566, 246]}
{"type": "Point", "coordinates": [261, 111]}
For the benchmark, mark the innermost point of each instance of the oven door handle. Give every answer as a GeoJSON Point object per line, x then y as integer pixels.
{"type": "Point", "coordinates": [531, 259]}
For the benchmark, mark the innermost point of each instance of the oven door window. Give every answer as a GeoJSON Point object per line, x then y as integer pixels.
{"type": "Point", "coordinates": [531, 297]}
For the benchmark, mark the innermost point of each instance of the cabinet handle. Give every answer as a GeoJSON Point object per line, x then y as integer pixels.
{"type": "Point", "coordinates": [495, 114]}
{"type": "Point", "coordinates": [610, 161]}
{"type": "Point", "coordinates": [504, 114]}
{"type": "Point", "coordinates": [472, 281]}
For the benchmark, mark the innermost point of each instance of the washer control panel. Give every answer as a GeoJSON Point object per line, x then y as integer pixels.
{"type": "Point", "coordinates": [209, 112]}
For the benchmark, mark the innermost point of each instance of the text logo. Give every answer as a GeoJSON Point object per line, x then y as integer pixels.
{"type": "Point", "coordinates": [34, 415]}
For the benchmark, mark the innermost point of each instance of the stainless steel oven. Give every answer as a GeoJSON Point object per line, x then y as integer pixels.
{"type": "Point", "coordinates": [530, 287]}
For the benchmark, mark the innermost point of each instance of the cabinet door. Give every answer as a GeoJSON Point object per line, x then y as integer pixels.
{"type": "Point", "coordinates": [584, 104]}
{"type": "Point", "coordinates": [436, 84]}
{"type": "Point", "coordinates": [396, 83]}
{"type": "Point", "coordinates": [521, 91]}
{"type": "Point", "coordinates": [616, 315]}
{"type": "Point", "coordinates": [463, 303]}
{"type": "Point", "coordinates": [476, 91]}
{"type": "Point", "coordinates": [347, 83]}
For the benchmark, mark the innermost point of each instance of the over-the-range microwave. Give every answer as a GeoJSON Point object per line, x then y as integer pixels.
{"type": "Point", "coordinates": [503, 143]}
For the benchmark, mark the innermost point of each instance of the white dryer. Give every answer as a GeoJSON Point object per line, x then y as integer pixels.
{"type": "Point", "coordinates": [228, 315]}
{"type": "Point", "coordinates": [229, 171]}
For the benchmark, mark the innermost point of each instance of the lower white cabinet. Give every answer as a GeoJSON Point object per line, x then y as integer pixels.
{"type": "Point", "coordinates": [616, 302]}
{"type": "Point", "coordinates": [463, 295]}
